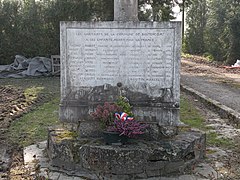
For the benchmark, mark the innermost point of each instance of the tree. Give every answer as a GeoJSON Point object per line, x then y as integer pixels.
{"type": "Point", "coordinates": [161, 9]}
{"type": "Point", "coordinates": [234, 31]}
{"type": "Point", "coordinates": [215, 31]}
{"type": "Point", "coordinates": [196, 21]}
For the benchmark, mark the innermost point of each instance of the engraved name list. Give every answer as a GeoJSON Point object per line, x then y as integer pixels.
{"type": "Point", "coordinates": [98, 56]}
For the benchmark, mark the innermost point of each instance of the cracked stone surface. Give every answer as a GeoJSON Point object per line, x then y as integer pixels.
{"type": "Point", "coordinates": [36, 152]}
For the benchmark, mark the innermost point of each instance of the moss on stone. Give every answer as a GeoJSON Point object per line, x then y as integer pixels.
{"type": "Point", "coordinates": [65, 135]}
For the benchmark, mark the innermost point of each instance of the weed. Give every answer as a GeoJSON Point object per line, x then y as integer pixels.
{"type": "Point", "coordinates": [213, 139]}
{"type": "Point", "coordinates": [32, 93]}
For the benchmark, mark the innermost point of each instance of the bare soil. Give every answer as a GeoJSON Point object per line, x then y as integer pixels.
{"type": "Point", "coordinates": [212, 80]}
{"type": "Point", "coordinates": [12, 105]}
{"type": "Point", "coordinates": [200, 66]}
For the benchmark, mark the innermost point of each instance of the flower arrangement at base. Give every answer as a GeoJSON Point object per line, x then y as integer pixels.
{"type": "Point", "coordinates": [117, 118]}
{"type": "Point", "coordinates": [127, 126]}
{"type": "Point", "coordinates": [105, 114]}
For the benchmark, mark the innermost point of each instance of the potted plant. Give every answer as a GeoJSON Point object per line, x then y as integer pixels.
{"type": "Point", "coordinates": [105, 114]}
{"type": "Point", "coordinates": [117, 121]}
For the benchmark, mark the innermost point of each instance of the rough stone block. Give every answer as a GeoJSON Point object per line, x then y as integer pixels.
{"type": "Point", "coordinates": [173, 167]}
{"type": "Point", "coordinates": [154, 173]}
{"type": "Point", "coordinates": [137, 158]}
{"type": "Point", "coordinates": [113, 159]}
{"type": "Point", "coordinates": [158, 165]}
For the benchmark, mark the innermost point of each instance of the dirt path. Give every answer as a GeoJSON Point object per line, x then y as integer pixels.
{"type": "Point", "coordinates": [216, 83]}
{"type": "Point", "coordinates": [203, 68]}
{"type": "Point", "coordinates": [12, 105]}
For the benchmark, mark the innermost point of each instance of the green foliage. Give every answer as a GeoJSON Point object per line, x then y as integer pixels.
{"type": "Point", "coordinates": [223, 30]}
{"type": "Point", "coordinates": [217, 30]}
{"type": "Point", "coordinates": [123, 102]}
{"type": "Point", "coordinates": [161, 9]}
{"type": "Point", "coordinates": [196, 20]}
{"type": "Point", "coordinates": [234, 39]}
{"type": "Point", "coordinates": [214, 29]}
{"type": "Point", "coordinates": [31, 28]}
{"type": "Point", "coordinates": [208, 56]}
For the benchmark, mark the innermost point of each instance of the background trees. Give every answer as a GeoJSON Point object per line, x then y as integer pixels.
{"type": "Point", "coordinates": [31, 27]}
{"type": "Point", "coordinates": [214, 28]}
{"type": "Point", "coordinates": [196, 21]}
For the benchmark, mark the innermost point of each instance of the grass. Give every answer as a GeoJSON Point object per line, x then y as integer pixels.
{"type": "Point", "coordinates": [213, 139]}
{"type": "Point", "coordinates": [206, 57]}
{"type": "Point", "coordinates": [192, 117]}
{"type": "Point", "coordinates": [32, 127]}
{"type": "Point", "coordinates": [35, 86]}
{"type": "Point", "coordinates": [32, 93]}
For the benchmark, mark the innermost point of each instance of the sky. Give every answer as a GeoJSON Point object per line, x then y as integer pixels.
{"type": "Point", "coordinates": [177, 13]}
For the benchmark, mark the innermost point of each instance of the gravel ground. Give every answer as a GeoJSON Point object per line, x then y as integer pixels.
{"type": "Point", "coordinates": [215, 82]}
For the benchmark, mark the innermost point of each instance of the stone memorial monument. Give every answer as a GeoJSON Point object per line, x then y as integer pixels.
{"type": "Point", "coordinates": [138, 60]}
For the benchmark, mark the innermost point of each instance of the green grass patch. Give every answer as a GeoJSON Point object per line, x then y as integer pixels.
{"type": "Point", "coordinates": [32, 127]}
{"type": "Point", "coordinates": [192, 117]}
{"type": "Point", "coordinates": [205, 58]}
{"type": "Point", "coordinates": [186, 55]}
{"type": "Point", "coordinates": [214, 140]}
{"type": "Point", "coordinates": [32, 93]}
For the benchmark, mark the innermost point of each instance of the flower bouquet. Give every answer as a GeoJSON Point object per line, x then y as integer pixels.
{"type": "Point", "coordinates": [116, 122]}
{"type": "Point", "coordinates": [127, 126]}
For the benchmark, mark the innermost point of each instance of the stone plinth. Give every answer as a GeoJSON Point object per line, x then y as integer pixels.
{"type": "Point", "coordinates": [137, 159]}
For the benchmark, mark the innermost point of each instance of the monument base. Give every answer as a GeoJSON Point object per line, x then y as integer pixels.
{"type": "Point", "coordinates": [137, 159]}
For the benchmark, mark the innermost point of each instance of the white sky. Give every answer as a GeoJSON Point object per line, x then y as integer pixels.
{"type": "Point", "coordinates": [177, 13]}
